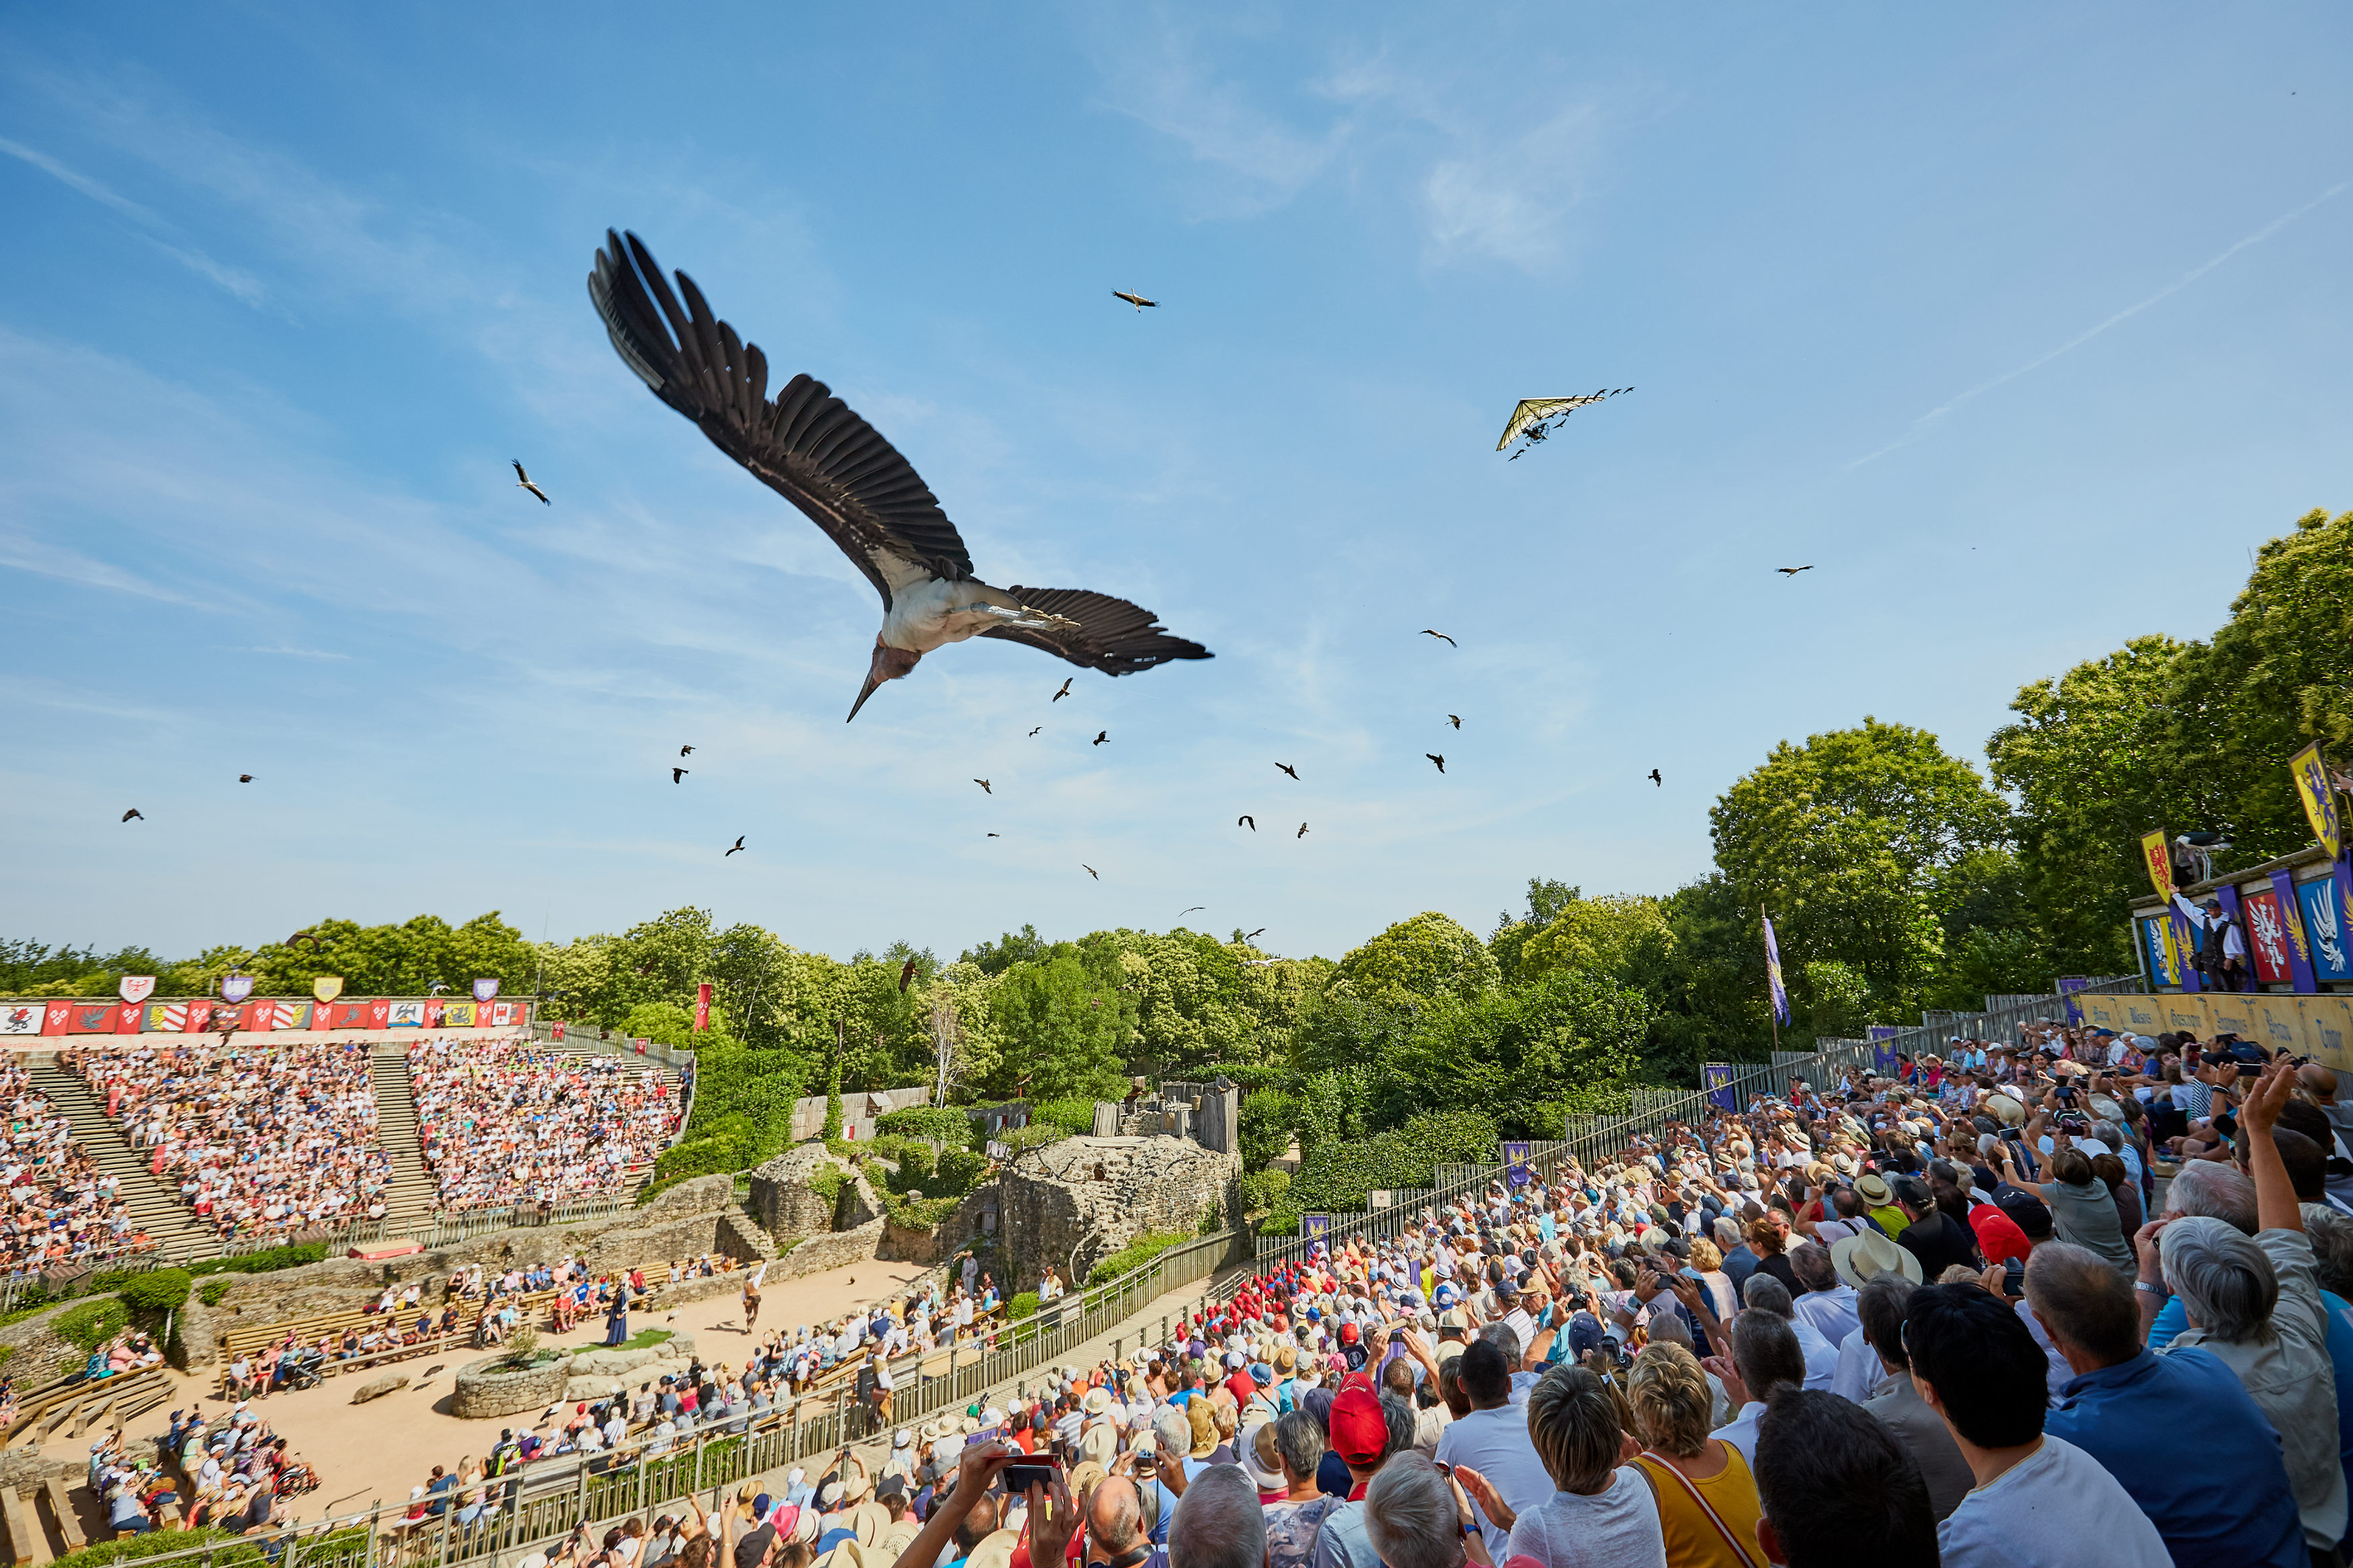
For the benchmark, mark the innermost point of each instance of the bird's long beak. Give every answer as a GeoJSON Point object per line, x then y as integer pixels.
{"type": "Point", "coordinates": [874, 678]}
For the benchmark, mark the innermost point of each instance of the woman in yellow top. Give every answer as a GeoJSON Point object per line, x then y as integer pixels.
{"type": "Point", "coordinates": [1707, 1498]}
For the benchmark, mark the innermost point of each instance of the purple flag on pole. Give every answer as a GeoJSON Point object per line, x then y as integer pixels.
{"type": "Point", "coordinates": [1773, 974]}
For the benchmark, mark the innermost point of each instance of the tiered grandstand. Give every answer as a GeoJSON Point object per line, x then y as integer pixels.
{"type": "Point", "coordinates": [181, 1146]}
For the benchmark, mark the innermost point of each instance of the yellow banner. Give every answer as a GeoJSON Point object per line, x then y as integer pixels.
{"type": "Point", "coordinates": [2310, 770]}
{"type": "Point", "coordinates": [2184, 1012]}
{"type": "Point", "coordinates": [2141, 1014]}
{"type": "Point", "coordinates": [2327, 1024]}
{"type": "Point", "coordinates": [2158, 862]}
{"type": "Point", "coordinates": [2103, 1013]}
{"type": "Point", "coordinates": [2278, 1021]}
{"type": "Point", "coordinates": [2229, 1013]}
{"type": "Point", "coordinates": [327, 987]}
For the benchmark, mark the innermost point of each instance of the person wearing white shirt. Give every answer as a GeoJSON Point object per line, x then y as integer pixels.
{"type": "Point", "coordinates": [1765, 1356]}
{"type": "Point", "coordinates": [1829, 1302]}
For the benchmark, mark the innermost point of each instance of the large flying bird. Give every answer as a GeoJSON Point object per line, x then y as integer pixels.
{"type": "Point", "coordinates": [809, 447]}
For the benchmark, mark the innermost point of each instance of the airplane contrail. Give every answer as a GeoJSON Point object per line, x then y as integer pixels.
{"type": "Point", "coordinates": [2078, 341]}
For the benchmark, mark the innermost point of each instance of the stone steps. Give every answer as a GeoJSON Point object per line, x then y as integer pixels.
{"type": "Point", "coordinates": [410, 1194]}
{"type": "Point", "coordinates": [155, 1204]}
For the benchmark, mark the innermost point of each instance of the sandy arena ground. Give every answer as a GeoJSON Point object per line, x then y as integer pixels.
{"type": "Point", "coordinates": [380, 1449]}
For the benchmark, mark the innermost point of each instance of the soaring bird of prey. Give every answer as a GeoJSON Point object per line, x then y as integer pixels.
{"type": "Point", "coordinates": [309, 937]}
{"type": "Point", "coordinates": [522, 482]}
{"type": "Point", "coordinates": [1302, 831]}
{"type": "Point", "coordinates": [1090, 870]}
{"type": "Point", "coordinates": [1286, 767]}
{"type": "Point", "coordinates": [1657, 780]}
{"type": "Point", "coordinates": [1101, 736]}
{"type": "Point", "coordinates": [1066, 688]}
{"type": "Point", "coordinates": [1182, 914]}
{"type": "Point", "coordinates": [686, 751]}
{"type": "Point", "coordinates": [1455, 720]}
{"type": "Point", "coordinates": [1792, 571]}
{"type": "Point", "coordinates": [1247, 820]}
{"type": "Point", "coordinates": [245, 778]}
{"type": "Point", "coordinates": [739, 844]}
{"type": "Point", "coordinates": [984, 786]}
{"type": "Point", "coordinates": [678, 774]}
{"type": "Point", "coordinates": [906, 974]}
{"type": "Point", "coordinates": [1138, 301]}
{"type": "Point", "coordinates": [1442, 637]}
{"type": "Point", "coordinates": [1260, 932]}
{"type": "Point", "coordinates": [810, 448]}
{"type": "Point", "coordinates": [1033, 734]}
{"type": "Point", "coordinates": [1434, 757]}
{"type": "Point", "coordinates": [131, 812]}
{"type": "Point", "coordinates": [1535, 417]}
{"type": "Point", "coordinates": [996, 836]}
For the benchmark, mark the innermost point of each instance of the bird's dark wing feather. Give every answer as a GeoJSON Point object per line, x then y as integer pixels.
{"type": "Point", "coordinates": [804, 443]}
{"type": "Point", "coordinates": [1113, 635]}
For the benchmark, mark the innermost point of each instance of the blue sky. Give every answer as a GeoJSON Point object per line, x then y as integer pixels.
{"type": "Point", "coordinates": [2021, 324]}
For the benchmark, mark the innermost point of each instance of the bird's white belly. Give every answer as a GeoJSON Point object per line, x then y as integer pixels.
{"type": "Point", "coordinates": [935, 612]}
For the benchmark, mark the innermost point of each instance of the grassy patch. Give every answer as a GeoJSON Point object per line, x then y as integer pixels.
{"type": "Point", "coordinates": [1135, 1255]}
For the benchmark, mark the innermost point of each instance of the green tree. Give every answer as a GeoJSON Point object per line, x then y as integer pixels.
{"type": "Point", "coordinates": [1024, 946]}
{"type": "Point", "coordinates": [1567, 1041]}
{"type": "Point", "coordinates": [1421, 959]}
{"type": "Point", "coordinates": [1063, 1022]}
{"type": "Point", "coordinates": [1852, 840]}
{"type": "Point", "coordinates": [1621, 936]}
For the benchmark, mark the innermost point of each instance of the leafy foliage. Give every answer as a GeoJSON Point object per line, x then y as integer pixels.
{"type": "Point", "coordinates": [1335, 1178]}
{"type": "Point", "coordinates": [157, 1291]}
{"type": "Point", "coordinates": [293, 1255]}
{"type": "Point", "coordinates": [91, 1323]}
{"type": "Point", "coordinates": [1023, 1305]}
{"type": "Point", "coordinates": [1422, 959]}
{"type": "Point", "coordinates": [939, 1124]}
{"type": "Point", "coordinates": [1135, 1255]}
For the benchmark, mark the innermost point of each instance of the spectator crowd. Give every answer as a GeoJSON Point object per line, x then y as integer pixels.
{"type": "Point", "coordinates": [1948, 1320]}
{"type": "Point", "coordinates": [258, 1138]}
{"type": "Point", "coordinates": [502, 1123]}
{"type": "Point", "coordinates": [55, 1205]}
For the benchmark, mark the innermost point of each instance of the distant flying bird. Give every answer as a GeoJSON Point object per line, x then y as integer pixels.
{"type": "Point", "coordinates": [1101, 736]}
{"type": "Point", "coordinates": [1138, 301]}
{"type": "Point", "coordinates": [131, 812]}
{"type": "Point", "coordinates": [1442, 637]}
{"type": "Point", "coordinates": [1455, 720]}
{"type": "Point", "coordinates": [1260, 932]}
{"type": "Point", "coordinates": [1066, 688]}
{"type": "Point", "coordinates": [1657, 780]}
{"type": "Point", "coordinates": [686, 751]}
{"type": "Point", "coordinates": [1535, 416]}
{"type": "Point", "coordinates": [245, 778]}
{"type": "Point", "coordinates": [1247, 820]}
{"type": "Point", "coordinates": [522, 482]}
{"type": "Point", "coordinates": [1791, 571]}
{"type": "Point", "coordinates": [1033, 734]}
{"type": "Point", "coordinates": [739, 844]}
{"type": "Point", "coordinates": [1434, 757]}
{"type": "Point", "coordinates": [984, 786]}
{"type": "Point", "coordinates": [1286, 767]}
{"type": "Point", "coordinates": [809, 447]}
{"type": "Point", "coordinates": [304, 936]}
{"type": "Point", "coordinates": [1302, 831]}
{"type": "Point", "coordinates": [1195, 909]}
{"type": "Point", "coordinates": [906, 973]}
{"type": "Point", "coordinates": [1090, 870]}
{"type": "Point", "coordinates": [678, 774]}
{"type": "Point", "coordinates": [996, 836]}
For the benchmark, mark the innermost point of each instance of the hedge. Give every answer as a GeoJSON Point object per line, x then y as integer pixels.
{"type": "Point", "coordinates": [1135, 1255]}
{"type": "Point", "coordinates": [1074, 1116]}
{"type": "Point", "coordinates": [1340, 1172]}
{"type": "Point", "coordinates": [938, 1124]}
{"type": "Point", "coordinates": [158, 1290]}
{"type": "Point", "coordinates": [228, 1550]}
{"type": "Point", "coordinates": [267, 1261]}
{"type": "Point", "coordinates": [1024, 1305]}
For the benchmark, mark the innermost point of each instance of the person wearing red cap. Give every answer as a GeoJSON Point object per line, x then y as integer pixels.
{"type": "Point", "coordinates": [1359, 1431]}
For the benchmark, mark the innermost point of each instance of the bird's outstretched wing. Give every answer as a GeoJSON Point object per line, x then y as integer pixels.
{"type": "Point", "coordinates": [805, 443]}
{"type": "Point", "coordinates": [1532, 409]}
{"type": "Point", "coordinates": [1112, 636]}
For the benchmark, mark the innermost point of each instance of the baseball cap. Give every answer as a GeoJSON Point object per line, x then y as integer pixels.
{"type": "Point", "coordinates": [1359, 1430]}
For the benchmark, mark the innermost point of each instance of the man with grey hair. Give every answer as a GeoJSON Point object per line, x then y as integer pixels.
{"type": "Point", "coordinates": [1412, 1517]}
{"type": "Point", "coordinates": [1765, 1356]}
{"type": "Point", "coordinates": [1763, 1294]}
{"type": "Point", "coordinates": [1219, 1524]}
{"type": "Point", "coordinates": [2254, 1304]}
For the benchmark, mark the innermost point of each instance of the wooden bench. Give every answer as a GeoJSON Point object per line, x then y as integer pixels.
{"type": "Point", "coordinates": [71, 1406]}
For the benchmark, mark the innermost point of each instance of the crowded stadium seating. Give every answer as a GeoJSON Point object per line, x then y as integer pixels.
{"type": "Point", "coordinates": [504, 1122]}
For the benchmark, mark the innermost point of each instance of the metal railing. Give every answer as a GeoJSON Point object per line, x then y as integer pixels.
{"type": "Point", "coordinates": [448, 1229]}
{"type": "Point", "coordinates": [593, 1036]}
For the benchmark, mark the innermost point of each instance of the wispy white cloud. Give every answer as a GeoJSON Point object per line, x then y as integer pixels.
{"type": "Point", "coordinates": [1920, 425]}
{"type": "Point", "coordinates": [242, 285]}
{"type": "Point", "coordinates": [296, 652]}
{"type": "Point", "coordinates": [25, 553]}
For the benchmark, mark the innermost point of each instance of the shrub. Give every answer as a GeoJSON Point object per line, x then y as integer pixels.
{"type": "Point", "coordinates": [1074, 1116]}
{"type": "Point", "coordinates": [268, 1261]}
{"type": "Point", "coordinates": [1037, 1135]}
{"type": "Point", "coordinates": [958, 1170]}
{"type": "Point", "coordinates": [917, 1213]}
{"type": "Point", "coordinates": [1024, 1305]}
{"type": "Point", "coordinates": [1135, 1255]}
{"type": "Point", "coordinates": [1335, 1178]}
{"type": "Point", "coordinates": [227, 1550]}
{"type": "Point", "coordinates": [1267, 1120]}
{"type": "Point", "coordinates": [1264, 1190]}
{"type": "Point", "coordinates": [827, 1181]}
{"type": "Point", "coordinates": [92, 1324]}
{"type": "Point", "coordinates": [833, 1104]}
{"type": "Point", "coordinates": [157, 1291]}
{"type": "Point", "coordinates": [947, 1125]}
{"type": "Point", "coordinates": [214, 1290]}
